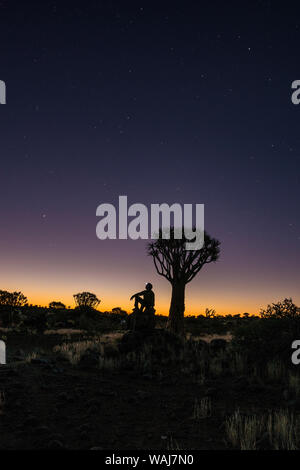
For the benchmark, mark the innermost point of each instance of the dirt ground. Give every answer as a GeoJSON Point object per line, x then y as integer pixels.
{"type": "Point", "coordinates": [49, 403]}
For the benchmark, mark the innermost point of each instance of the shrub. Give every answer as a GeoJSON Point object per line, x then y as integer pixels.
{"type": "Point", "coordinates": [285, 309]}
{"type": "Point", "coordinates": [56, 305]}
{"type": "Point", "coordinates": [86, 301]}
{"type": "Point", "coordinates": [277, 430]}
{"type": "Point", "coordinates": [270, 336]}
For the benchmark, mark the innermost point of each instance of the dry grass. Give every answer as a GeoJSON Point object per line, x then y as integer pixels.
{"type": "Point", "coordinates": [30, 356]}
{"type": "Point", "coordinates": [238, 364]}
{"type": "Point", "coordinates": [65, 332]}
{"type": "Point", "coordinates": [209, 338]}
{"type": "Point", "coordinates": [202, 408]}
{"type": "Point", "coordinates": [74, 351]}
{"type": "Point", "coordinates": [282, 430]}
{"type": "Point", "coordinates": [243, 431]}
{"type": "Point", "coordinates": [275, 371]}
{"type": "Point", "coordinates": [173, 444]}
{"type": "Point", "coordinates": [216, 366]}
{"type": "Point", "coordinates": [278, 430]}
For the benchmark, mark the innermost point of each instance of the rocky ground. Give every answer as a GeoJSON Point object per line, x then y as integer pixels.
{"type": "Point", "coordinates": [47, 402]}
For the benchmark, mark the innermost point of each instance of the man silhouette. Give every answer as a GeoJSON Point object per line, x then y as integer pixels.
{"type": "Point", "coordinates": [147, 301]}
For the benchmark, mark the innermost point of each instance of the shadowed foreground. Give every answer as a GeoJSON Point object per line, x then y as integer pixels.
{"type": "Point", "coordinates": [129, 390]}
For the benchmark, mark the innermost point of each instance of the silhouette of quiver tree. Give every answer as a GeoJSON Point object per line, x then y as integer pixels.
{"type": "Point", "coordinates": [179, 266]}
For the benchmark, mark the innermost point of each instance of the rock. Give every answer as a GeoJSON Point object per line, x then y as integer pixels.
{"type": "Point", "coordinates": [141, 321]}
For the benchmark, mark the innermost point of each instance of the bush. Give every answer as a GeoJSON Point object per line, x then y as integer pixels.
{"type": "Point", "coordinates": [284, 309]}
{"type": "Point", "coordinates": [269, 336]}
{"type": "Point", "coordinates": [263, 339]}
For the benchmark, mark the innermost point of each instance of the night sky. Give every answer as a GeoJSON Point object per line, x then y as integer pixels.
{"type": "Point", "coordinates": [185, 102]}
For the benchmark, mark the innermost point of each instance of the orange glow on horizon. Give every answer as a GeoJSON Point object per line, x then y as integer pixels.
{"type": "Point", "coordinates": [162, 307]}
{"type": "Point", "coordinates": [227, 290]}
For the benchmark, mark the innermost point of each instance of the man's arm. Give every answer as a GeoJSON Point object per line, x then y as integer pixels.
{"type": "Point", "coordinates": [138, 293]}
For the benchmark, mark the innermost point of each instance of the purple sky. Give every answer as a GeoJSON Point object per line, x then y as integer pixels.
{"type": "Point", "coordinates": [162, 103]}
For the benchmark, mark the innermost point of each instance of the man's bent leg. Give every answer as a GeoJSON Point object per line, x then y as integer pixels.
{"type": "Point", "coordinates": [139, 300]}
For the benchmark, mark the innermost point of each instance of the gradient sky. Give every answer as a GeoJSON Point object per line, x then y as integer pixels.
{"type": "Point", "coordinates": [163, 102]}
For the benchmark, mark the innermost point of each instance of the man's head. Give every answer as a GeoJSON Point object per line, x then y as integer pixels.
{"type": "Point", "coordinates": [149, 286]}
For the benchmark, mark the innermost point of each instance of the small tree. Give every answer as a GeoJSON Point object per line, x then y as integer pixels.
{"type": "Point", "coordinates": [119, 311]}
{"type": "Point", "coordinates": [12, 300]}
{"type": "Point", "coordinates": [57, 305]}
{"type": "Point", "coordinates": [86, 300]}
{"type": "Point", "coordinates": [210, 313]}
{"type": "Point", "coordinates": [284, 309]}
{"type": "Point", "coordinates": [179, 266]}
{"type": "Point", "coordinates": [17, 299]}
{"type": "Point", "coordinates": [4, 297]}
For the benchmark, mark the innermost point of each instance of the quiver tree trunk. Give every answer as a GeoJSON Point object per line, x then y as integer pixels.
{"type": "Point", "coordinates": [177, 307]}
